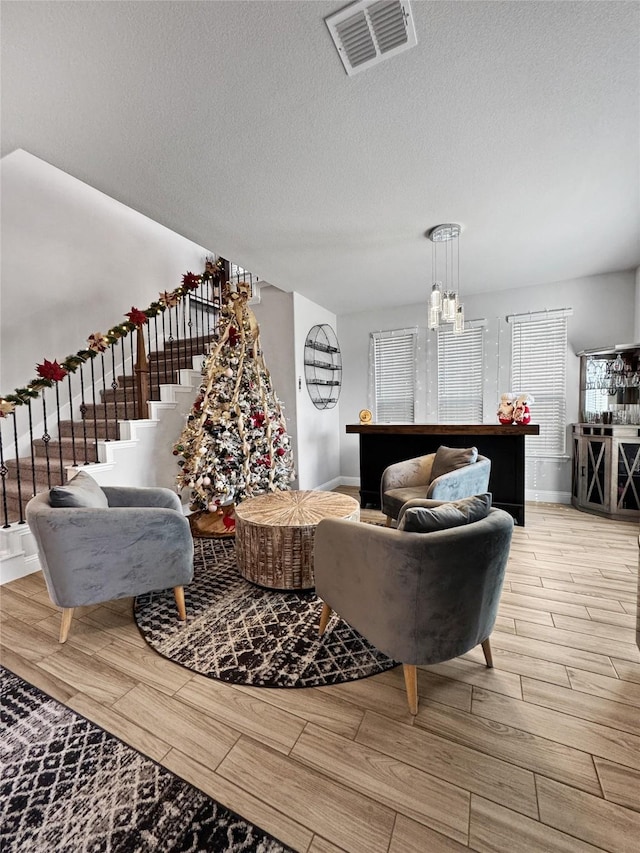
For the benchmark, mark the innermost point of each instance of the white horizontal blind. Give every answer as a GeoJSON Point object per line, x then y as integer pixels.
{"type": "Point", "coordinates": [460, 376]}
{"type": "Point", "coordinates": [393, 364]}
{"type": "Point", "coordinates": [539, 368]}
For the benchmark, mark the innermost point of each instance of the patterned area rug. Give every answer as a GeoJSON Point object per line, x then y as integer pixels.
{"type": "Point", "coordinates": [244, 634]}
{"type": "Point", "coordinates": [67, 785]}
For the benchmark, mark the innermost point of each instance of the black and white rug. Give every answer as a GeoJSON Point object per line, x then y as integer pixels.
{"type": "Point", "coordinates": [244, 634]}
{"type": "Point", "coordinates": [67, 785]}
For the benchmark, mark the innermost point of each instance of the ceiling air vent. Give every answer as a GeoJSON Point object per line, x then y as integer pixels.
{"type": "Point", "coordinates": [369, 31]}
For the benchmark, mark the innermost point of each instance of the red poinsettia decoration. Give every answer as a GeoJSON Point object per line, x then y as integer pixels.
{"type": "Point", "coordinates": [233, 336]}
{"type": "Point", "coordinates": [257, 419]}
{"type": "Point", "coordinates": [137, 317]}
{"type": "Point", "coordinates": [190, 280]}
{"type": "Point", "coordinates": [51, 370]}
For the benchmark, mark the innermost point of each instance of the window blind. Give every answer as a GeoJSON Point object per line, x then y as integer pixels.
{"type": "Point", "coordinates": [539, 367]}
{"type": "Point", "coordinates": [393, 366]}
{"type": "Point", "coordinates": [460, 376]}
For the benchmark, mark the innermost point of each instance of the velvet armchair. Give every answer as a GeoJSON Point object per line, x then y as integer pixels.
{"type": "Point", "coordinates": [421, 598]}
{"type": "Point", "coordinates": [99, 544]}
{"type": "Point", "coordinates": [447, 475]}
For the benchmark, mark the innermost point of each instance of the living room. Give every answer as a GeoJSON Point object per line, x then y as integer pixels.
{"type": "Point", "coordinates": [122, 170]}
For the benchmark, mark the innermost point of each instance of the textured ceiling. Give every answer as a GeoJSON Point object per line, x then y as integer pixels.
{"type": "Point", "coordinates": [234, 124]}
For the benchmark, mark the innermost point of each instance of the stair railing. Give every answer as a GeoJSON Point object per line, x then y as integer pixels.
{"type": "Point", "coordinates": [56, 421]}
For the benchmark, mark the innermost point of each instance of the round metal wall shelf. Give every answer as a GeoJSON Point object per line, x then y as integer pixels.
{"type": "Point", "coordinates": [323, 366]}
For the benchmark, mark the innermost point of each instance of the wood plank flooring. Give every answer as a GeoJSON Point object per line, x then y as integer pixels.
{"type": "Point", "coordinates": [540, 754]}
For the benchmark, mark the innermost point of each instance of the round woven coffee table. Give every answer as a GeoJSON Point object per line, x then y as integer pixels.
{"type": "Point", "coordinates": [274, 535]}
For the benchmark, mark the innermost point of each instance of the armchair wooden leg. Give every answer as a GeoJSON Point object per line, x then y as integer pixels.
{"type": "Point", "coordinates": [486, 648]}
{"type": "Point", "coordinates": [324, 618]}
{"type": "Point", "coordinates": [178, 594]}
{"type": "Point", "coordinates": [65, 623]}
{"type": "Point", "coordinates": [411, 683]}
{"type": "Point", "coordinates": [389, 521]}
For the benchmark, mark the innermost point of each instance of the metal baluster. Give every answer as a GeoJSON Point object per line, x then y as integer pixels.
{"type": "Point", "coordinates": [182, 307]}
{"type": "Point", "coordinates": [142, 375]}
{"type": "Point", "coordinates": [193, 307]}
{"type": "Point", "coordinates": [114, 387]}
{"type": "Point", "coordinates": [104, 400]}
{"type": "Point", "coordinates": [46, 438]}
{"type": "Point", "coordinates": [152, 389]}
{"type": "Point", "coordinates": [62, 473]}
{"type": "Point", "coordinates": [3, 473]}
{"type": "Point", "coordinates": [32, 449]}
{"type": "Point", "coordinates": [83, 413]}
{"type": "Point", "coordinates": [186, 301]}
{"type": "Point", "coordinates": [157, 352]}
{"type": "Point", "coordinates": [124, 380]}
{"type": "Point", "coordinates": [73, 432]}
{"type": "Point", "coordinates": [164, 350]}
{"type": "Point", "coordinates": [173, 376]}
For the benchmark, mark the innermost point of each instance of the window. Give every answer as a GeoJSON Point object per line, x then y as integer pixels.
{"type": "Point", "coordinates": [539, 368]}
{"type": "Point", "coordinates": [460, 376]}
{"type": "Point", "coordinates": [392, 363]}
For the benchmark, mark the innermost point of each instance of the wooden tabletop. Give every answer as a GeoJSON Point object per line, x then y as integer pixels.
{"type": "Point", "coordinates": [295, 508]}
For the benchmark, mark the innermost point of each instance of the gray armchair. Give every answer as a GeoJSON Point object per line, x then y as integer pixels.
{"type": "Point", "coordinates": [434, 477]}
{"type": "Point", "coordinates": [122, 541]}
{"type": "Point", "coordinates": [421, 598]}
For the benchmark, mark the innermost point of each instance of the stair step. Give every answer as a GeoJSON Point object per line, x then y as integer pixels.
{"type": "Point", "coordinates": [102, 412]}
{"type": "Point", "coordinates": [93, 431]}
{"type": "Point", "coordinates": [121, 397]}
{"type": "Point", "coordinates": [44, 476]}
{"type": "Point", "coordinates": [82, 453]}
{"type": "Point", "coordinates": [195, 345]}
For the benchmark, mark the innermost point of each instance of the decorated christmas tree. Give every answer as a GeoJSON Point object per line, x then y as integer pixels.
{"type": "Point", "coordinates": [235, 443]}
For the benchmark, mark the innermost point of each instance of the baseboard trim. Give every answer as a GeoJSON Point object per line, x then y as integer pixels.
{"type": "Point", "coordinates": [547, 497]}
{"type": "Point", "coordinates": [349, 481]}
{"type": "Point", "coordinates": [328, 486]}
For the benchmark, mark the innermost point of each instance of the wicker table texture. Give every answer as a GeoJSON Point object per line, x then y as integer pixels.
{"type": "Point", "coordinates": [274, 535]}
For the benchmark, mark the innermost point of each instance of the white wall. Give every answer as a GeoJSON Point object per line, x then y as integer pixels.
{"type": "Point", "coordinates": [603, 313]}
{"type": "Point", "coordinates": [636, 336]}
{"type": "Point", "coordinates": [274, 314]}
{"type": "Point", "coordinates": [318, 429]}
{"type": "Point", "coordinates": [74, 261]}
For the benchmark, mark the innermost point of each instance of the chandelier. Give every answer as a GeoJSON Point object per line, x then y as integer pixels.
{"type": "Point", "coordinates": [444, 300]}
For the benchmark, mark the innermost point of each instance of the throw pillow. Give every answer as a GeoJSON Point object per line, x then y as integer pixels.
{"type": "Point", "coordinates": [450, 458]}
{"type": "Point", "coordinates": [422, 519]}
{"type": "Point", "coordinates": [80, 493]}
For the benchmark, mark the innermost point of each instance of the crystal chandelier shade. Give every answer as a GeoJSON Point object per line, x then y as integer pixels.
{"type": "Point", "coordinates": [444, 300]}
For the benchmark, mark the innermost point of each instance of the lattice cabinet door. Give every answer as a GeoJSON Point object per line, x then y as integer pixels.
{"type": "Point", "coordinates": [626, 476]}
{"type": "Point", "coordinates": [595, 473]}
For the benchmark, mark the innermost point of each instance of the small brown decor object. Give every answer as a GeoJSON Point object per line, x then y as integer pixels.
{"type": "Point", "coordinates": [221, 523]}
{"type": "Point", "coordinates": [275, 532]}
{"type": "Point", "coordinates": [365, 416]}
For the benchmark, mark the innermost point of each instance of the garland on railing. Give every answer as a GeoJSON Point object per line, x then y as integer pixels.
{"type": "Point", "coordinates": [50, 372]}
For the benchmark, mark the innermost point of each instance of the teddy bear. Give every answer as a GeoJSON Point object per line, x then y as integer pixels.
{"type": "Point", "coordinates": [505, 409]}
{"type": "Point", "coordinates": [521, 411]}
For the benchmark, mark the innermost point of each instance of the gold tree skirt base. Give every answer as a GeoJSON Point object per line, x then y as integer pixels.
{"type": "Point", "coordinates": [210, 524]}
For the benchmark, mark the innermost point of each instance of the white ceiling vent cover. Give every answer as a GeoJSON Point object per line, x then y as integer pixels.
{"type": "Point", "coordinates": [369, 31]}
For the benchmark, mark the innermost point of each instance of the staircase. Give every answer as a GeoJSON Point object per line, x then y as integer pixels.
{"type": "Point", "coordinates": [81, 442]}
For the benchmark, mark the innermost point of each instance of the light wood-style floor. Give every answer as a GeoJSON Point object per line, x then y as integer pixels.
{"type": "Point", "coordinates": [541, 753]}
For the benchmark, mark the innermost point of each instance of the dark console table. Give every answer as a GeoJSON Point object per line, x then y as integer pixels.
{"type": "Point", "coordinates": [384, 444]}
